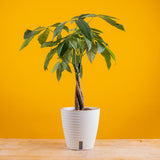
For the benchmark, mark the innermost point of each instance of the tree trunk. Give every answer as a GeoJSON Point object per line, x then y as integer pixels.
{"type": "Point", "coordinates": [79, 102]}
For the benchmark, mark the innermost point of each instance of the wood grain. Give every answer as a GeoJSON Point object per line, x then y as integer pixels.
{"type": "Point", "coordinates": [55, 149]}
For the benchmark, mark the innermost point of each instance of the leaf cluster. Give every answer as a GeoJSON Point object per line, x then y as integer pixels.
{"type": "Point", "coordinates": [79, 41]}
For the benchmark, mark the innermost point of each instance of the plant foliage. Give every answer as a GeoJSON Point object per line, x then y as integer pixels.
{"type": "Point", "coordinates": [71, 48]}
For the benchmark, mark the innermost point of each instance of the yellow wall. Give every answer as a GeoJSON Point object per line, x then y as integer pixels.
{"type": "Point", "coordinates": [128, 94]}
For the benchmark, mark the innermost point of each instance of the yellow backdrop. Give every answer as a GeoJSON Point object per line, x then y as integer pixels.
{"type": "Point", "coordinates": [128, 94]}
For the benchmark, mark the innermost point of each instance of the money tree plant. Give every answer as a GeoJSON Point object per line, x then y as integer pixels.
{"type": "Point", "coordinates": [71, 48]}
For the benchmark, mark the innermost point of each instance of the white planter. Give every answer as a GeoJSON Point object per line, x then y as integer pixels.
{"type": "Point", "coordinates": [80, 127]}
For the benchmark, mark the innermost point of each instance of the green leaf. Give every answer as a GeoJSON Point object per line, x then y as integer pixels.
{"type": "Point", "coordinates": [88, 42]}
{"type": "Point", "coordinates": [87, 15]}
{"type": "Point", "coordinates": [59, 37]}
{"type": "Point", "coordinates": [100, 47]}
{"type": "Point", "coordinates": [66, 67]}
{"type": "Point", "coordinates": [91, 15]}
{"type": "Point", "coordinates": [112, 22]}
{"type": "Point", "coordinates": [76, 34]}
{"type": "Point", "coordinates": [55, 25]}
{"type": "Point", "coordinates": [84, 28]}
{"type": "Point", "coordinates": [55, 66]}
{"type": "Point", "coordinates": [66, 28]}
{"type": "Point", "coordinates": [96, 30]}
{"type": "Point", "coordinates": [111, 53]}
{"type": "Point", "coordinates": [72, 19]}
{"type": "Point", "coordinates": [82, 16]}
{"type": "Point", "coordinates": [99, 39]}
{"type": "Point", "coordinates": [37, 32]}
{"type": "Point", "coordinates": [26, 42]}
{"type": "Point", "coordinates": [49, 57]}
{"type": "Point", "coordinates": [48, 44]}
{"type": "Point", "coordinates": [62, 48]}
{"type": "Point", "coordinates": [105, 43]}
{"type": "Point", "coordinates": [58, 29]}
{"type": "Point", "coordinates": [59, 71]}
{"type": "Point", "coordinates": [91, 54]}
{"type": "Point", "coordinates": [67, 56]}
{"type": "Point", "coordinates": [99, 15]}
{"type": "Point", "coordinates": [107, 57]}
{"type": "Point", "coordinates": [82, 46]}
{"type": "Point", "coordinates": [40, 28]}
{"type": "Point", "coordinates": [28, 33]}
{"type": "Point", "coordinates": [43, 37]}
{"type": "Point", "coordinates": [73, 43]}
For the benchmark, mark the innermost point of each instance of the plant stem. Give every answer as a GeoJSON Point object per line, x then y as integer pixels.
{"type": "Point", "coordinates": [79, 102]}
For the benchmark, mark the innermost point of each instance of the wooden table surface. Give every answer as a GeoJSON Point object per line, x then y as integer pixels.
{"type": "Point", "coordinates": [55, 149]}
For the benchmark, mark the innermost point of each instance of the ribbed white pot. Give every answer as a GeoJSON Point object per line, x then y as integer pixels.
{"type": "Point", "coordinates": [80, 127]}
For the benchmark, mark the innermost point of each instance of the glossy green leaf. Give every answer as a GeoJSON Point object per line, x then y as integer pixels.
{"type": "Point", "coordinates": [96, 30]}
{"type": "Point", "coordinates": [87, 15]}
{"type": "Point", "coordinates": [28, 33]}
{"type": "Point", "coordinates": [43, 37]}
{"type": "Point", "coordinates": [92, 53]}
{"type": "Point", "coordinates": [99, 39]}
{"type": "Point", "coordinates": [58, 29]}
{"type": "Point", "coordinates": [84, 28]}
{"type": "Point", "coordinates": [62, 48]}
{"type": "Point", "coordinates": [107, 57]}
{"type": "Point", "coordinates": [59, 37]}
{"type": "Point", "coordinates": [67, 56]}
{"type": "Point", "coordinates": [112, 22]}
{"type": "Point", "coordinates": [48, 44]}
{"type": "Point", "coordinates": [39, 28]}
{"type": "Point", "coordinates": [111, 53]}
{"type": "Point", "coordinates": [100, 47]}
{"type": "Point", "coordinates": [59, 71]}
{"type": "Point", "coordinates": [66, 28]}
{"type": "Point", "coordinates": [99, 15]}
{"type": "Point", "coordinates": [55, 25]}
{"type": "Point", "coordinates": [105, 43]}
{"type": "Point", "coordinates": [38, 31]}
{"type": "Point", "coordinates": [49, 57]}
{"type": "Point", "coordinates": [55, 66]}
{"type": "Point", "coordinates": [75, 17]}
{"type": "Point", "coordinates": [26, 42]}
{"type": "Point", "coordinates": [82, 46]}
{"type": "Point", "coordinates": [82, 16]}
{"type": "Point", "coordinates": [73, 43]}
{"type": "Point", "coordinates": [88, 42]}
{"type": "Point", "coordinates": [66, 67]}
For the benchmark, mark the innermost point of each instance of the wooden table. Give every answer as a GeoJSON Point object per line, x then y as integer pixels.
{"type": "Point", "coordinates": [55, 149]}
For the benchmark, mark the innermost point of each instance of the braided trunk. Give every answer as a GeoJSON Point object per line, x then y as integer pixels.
{"type": "Point", "coordinates": [79, 102]}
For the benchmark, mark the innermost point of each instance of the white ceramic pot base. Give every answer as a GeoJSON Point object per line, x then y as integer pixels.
{"type": "Point", "coordinates": [80, 127]}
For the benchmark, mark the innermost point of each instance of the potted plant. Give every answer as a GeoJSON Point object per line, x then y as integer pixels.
{"type": "Point", "coordinates": [80, 123]}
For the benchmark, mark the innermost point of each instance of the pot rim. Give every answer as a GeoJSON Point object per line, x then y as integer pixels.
{"type": "Point", "coordinates": [73, 109]}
